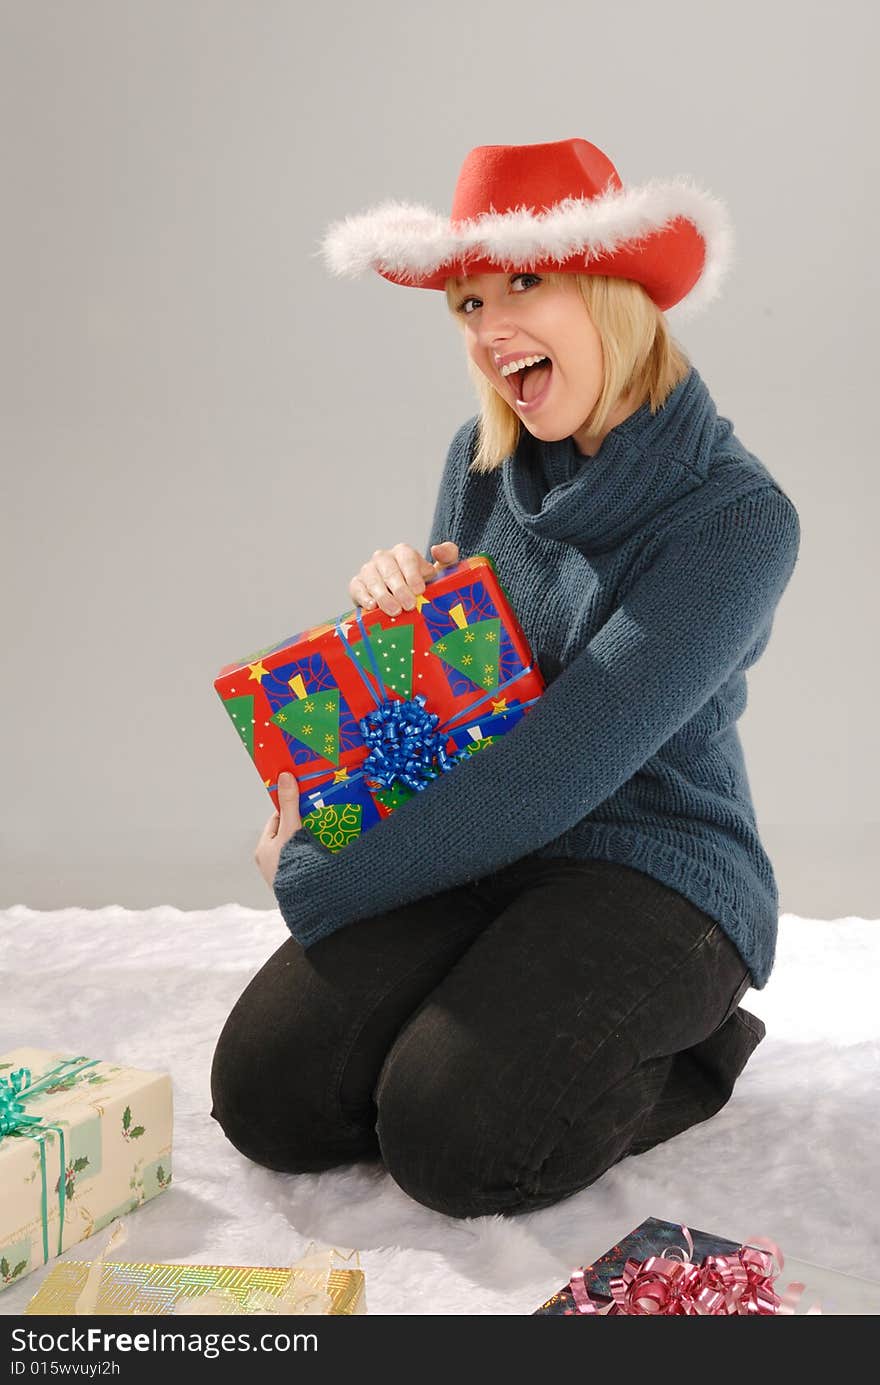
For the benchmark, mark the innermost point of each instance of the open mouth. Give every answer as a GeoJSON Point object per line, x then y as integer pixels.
{"type": "Point", "coordinates": [532, 382]}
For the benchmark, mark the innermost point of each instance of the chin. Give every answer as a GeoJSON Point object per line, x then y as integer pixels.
{"type": "Point", "coordinates": [545, 429]}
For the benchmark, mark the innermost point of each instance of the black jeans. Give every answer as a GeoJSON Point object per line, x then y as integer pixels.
{"type": "Point", "coordinates": [498, 1046]}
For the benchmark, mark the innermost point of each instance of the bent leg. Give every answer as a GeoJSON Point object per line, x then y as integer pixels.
{"type": "Point", "coordinates": [297, 1060]}
{"type": "Point", "coordinates": [537, 1061]}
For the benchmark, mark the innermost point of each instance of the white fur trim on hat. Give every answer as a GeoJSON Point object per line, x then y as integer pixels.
{"type": "Point", "coordinates": [410, 240]}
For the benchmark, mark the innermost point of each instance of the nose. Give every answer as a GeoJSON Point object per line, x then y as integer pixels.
{"type": "Point", "coordinates": [496, 334]}
{"type": "Point", "coordinates": [496, 325]}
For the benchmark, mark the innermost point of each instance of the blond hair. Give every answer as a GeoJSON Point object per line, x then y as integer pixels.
{"type": "Point", "coordinates": [640, 358]}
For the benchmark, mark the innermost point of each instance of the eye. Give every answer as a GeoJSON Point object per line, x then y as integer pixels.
{"type": "Point", "coordinates": [462, 307]}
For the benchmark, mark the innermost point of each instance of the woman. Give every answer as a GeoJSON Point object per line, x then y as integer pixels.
{"type": "Point", "coordinates": [534, 968]}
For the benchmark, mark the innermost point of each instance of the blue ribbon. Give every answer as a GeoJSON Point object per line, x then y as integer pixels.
{"type": "Point", "coordinates": [406, 742]}
{"type": "Point", "coordinates": [15, 1121]}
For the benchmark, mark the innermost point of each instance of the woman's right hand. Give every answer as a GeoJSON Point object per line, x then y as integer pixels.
{"type": "Point", "coordinates": [394, 577]}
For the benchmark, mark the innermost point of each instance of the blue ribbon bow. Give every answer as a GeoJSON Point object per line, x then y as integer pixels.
{"type": "Point", "coordinates": [406, 742]}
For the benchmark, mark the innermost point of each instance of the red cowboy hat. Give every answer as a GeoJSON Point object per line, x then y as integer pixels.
{"type": "Point", "coordinates": [553, 207]}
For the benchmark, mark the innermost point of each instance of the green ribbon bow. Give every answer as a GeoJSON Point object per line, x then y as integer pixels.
{"type": "Point", "coordinates": [15, 1121]}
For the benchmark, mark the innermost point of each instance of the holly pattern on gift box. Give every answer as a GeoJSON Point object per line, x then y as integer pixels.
{"type": "Point", "coordinates": [80, 1079]}
{"type": "Point", "coordinates": [129, 1131]}
{"type": "Point", "coordinates": [64, 1084]}
{"type": "Point", "coordinates": [9, 1272]}
{"type": "Point", "coordinates": [48, 1141]}
{"type": "Point", "coordinates": [74, 1167]}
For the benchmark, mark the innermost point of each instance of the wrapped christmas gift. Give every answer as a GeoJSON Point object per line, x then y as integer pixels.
{"type": "Point", "coordinates": [367, 709]}
{"type": "Point", "coordinates": [81, 1142]}
{"type": "Point", "coordinates": [669, 1269]}
{"type": "Point", "coordinates": [325, 1281]}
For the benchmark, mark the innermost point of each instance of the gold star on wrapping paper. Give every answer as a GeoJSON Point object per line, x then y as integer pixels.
{"type": "Point", "coordinates": [469, 637]}
{"type": "Point", "coordinates": [258, 673]}
{"type": "Point", "coordinates": [308, 705]}
{"type": "Point", "coordinates": [339, 776]}
{"type": "Point", "coordinates": [422, 601]}
{"type": "Point", "coordinates": [467, 658]}
{"type": "Point", "coordinates": [281, 717]}
{"type": "Point", "coordinates": [307, 729]}
{"type": "Point", "coordinates": [499, 704]}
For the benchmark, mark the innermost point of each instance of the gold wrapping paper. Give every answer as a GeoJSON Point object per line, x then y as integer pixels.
{"type": "Point", "coordinates": [314, 1285]}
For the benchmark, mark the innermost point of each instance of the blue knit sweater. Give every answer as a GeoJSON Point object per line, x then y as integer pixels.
{"type": "Point", "coordinates": [645, 579]}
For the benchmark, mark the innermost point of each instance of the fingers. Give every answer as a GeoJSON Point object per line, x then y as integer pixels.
{"type": "Point", "coordinates": [288, 801]}
{"type": "Point", "coordinates": [394, 577]}
{"type": "Point", "coordinates": [268, 834]}
{"type": "Point", "coordinates": [445, 554]}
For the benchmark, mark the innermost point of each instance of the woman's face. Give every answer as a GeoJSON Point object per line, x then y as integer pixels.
{"type": "Point", "coordinates": [509, 316]}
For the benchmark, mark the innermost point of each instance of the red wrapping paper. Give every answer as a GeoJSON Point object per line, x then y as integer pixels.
{"type": "Point", "coordinates": [459, 661]}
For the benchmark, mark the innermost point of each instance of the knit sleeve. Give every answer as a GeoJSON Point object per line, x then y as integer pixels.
{"type": "Point", "coordinates": [692, 617]}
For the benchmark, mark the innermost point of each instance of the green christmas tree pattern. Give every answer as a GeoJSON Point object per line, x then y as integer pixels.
{"type": "Point", "coordinates": [393, 797]}
{"type": "Point", "coordinates": [392, 649]}
{"type": "Point", "coordinates": [314, 720]}
{"type": "Point", "coordinates": [473, 650]}
{"type": "Point", "coordinates": [241, 712]}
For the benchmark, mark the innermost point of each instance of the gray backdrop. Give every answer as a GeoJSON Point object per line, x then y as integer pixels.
{"type": "Point", "coordinates": [204, 435]}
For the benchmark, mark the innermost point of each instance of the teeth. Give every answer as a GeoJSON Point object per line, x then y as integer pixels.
{"type": "Point", "coordinates": [513, 366]}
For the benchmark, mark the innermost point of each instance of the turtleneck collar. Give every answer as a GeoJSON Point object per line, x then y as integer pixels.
{"type": "Point", "coordinates": [641, 465]}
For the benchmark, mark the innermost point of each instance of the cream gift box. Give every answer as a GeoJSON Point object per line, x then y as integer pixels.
{"type": "Point", "coordinates": [81, 1143]}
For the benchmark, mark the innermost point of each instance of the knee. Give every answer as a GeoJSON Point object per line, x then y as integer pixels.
{"type": "Point", "coordinates": [238, 1100]}
{"type": "Point", "coordinates": [256, 1101]}
{"type": "Point", "coordinates": [440, 1140]}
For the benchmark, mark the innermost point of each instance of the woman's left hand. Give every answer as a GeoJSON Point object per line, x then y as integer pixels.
{"type": "Point", "coordinates": [279, 829]}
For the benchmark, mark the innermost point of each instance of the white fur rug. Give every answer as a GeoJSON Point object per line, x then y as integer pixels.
{"type": "Point", "coordinates": [792, 1156]}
